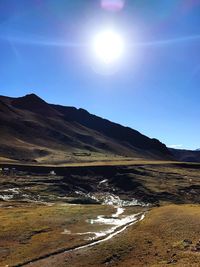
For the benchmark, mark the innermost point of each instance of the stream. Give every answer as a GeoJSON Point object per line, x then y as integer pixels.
{"type": "Point", "coordinates": [117, 223]}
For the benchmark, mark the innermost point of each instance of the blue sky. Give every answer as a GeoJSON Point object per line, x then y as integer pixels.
{"type": "Point", "coordinates": [45, 49]}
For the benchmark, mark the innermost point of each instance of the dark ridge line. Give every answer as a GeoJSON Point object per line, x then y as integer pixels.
{"type": "Point", "coordinates": [47, 168]}
{"type": "Point", "coordinates": [65, 250]}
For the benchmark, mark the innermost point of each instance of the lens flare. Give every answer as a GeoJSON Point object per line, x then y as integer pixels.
{"type": "Point", "coordinates": [112, 5]}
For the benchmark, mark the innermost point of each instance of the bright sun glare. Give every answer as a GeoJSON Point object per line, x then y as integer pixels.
{"type": "Point", "coordinates": [108, 46]}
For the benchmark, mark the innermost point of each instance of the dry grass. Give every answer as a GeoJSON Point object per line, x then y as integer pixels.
{"type": "Point", "coordinates": [7, 160]}
{"type": "Point", "coordinates": [29, 230]}
{"type": "Point", "coordinates": [156, 241]}
{"type": "Point", "coordinates": [95, 161]}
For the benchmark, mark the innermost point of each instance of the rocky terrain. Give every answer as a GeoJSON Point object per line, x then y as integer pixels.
{"type": "Point", "coordinates": [64, 216]}
{"type": "Point", "coordinates": [148, 183]}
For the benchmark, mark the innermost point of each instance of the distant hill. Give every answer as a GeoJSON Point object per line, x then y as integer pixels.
{"type": "Point", "coordinates": [33, 130]}
{"type": "Point", "coordinates": [186, 155]}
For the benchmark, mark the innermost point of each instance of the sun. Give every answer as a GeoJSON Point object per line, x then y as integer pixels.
{"type": "Point", "coordinates": [108, 46]}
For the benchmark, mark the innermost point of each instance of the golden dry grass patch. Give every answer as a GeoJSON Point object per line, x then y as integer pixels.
{"type": "Point", "coordinates": [157, 241]}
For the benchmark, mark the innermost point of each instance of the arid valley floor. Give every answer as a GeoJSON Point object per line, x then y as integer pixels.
{"type": "Point", "coordinates": [136, 214]}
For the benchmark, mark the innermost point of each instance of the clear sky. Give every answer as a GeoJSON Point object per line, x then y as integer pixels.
{"type": "Point", "coordinates": [45, 49]}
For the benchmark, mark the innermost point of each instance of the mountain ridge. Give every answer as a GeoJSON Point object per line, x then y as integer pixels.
{"type": "Point", "coordinates": [46, 132]}
{"type": "Point", "coordinates": [186, 155]}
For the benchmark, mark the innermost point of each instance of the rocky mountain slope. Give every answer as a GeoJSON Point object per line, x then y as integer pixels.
{"type": "Point", "coordinates": [33, 130]}
{"type": "Point", "coordinates": [186, 155]}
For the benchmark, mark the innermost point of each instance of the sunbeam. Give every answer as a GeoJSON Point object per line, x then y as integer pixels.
{"type": "Point", "coordinates": [41, 41]}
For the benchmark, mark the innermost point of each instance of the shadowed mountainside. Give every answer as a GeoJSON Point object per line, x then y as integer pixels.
{"type": "Point", "coordinates": [33, 130]}
{"type": "Point", "coordinates": [186, 155]}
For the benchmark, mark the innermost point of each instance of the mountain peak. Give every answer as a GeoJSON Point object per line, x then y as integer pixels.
{"type": "Point", "coordinates": [33, 97]}
{"type": "Point", "coordinates": [34, 103]}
